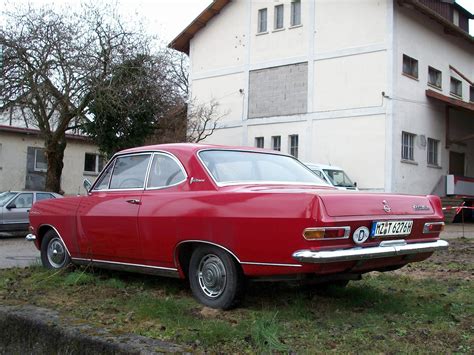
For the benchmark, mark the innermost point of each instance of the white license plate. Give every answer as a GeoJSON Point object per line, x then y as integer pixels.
{"type": "Point", "coordinates": [389, 228]}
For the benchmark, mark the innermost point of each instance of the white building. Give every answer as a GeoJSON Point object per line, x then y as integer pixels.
{"type": "Point", "coordinates": [23, 162]}
{"type": "Point", "coordinates": [382, 88]}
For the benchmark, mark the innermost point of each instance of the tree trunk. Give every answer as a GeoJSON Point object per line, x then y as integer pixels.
{"type": "Point", "coordinates": [54, 154]}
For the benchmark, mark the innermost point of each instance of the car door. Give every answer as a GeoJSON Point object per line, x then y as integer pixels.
{"type": "Point", "coordinates": [107, 217]}
{"type": "Point", "coordinates": [16, 211]}
{"type": "Point", "coordinates": [162, 202]}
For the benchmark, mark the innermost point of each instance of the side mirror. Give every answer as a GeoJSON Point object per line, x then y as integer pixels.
{"type": "Point", "coordinates": [10, 206]}
{"type": "Point", "coordinates": [87, 185]}
{"type": "Point", "coordinates": [355, 184]}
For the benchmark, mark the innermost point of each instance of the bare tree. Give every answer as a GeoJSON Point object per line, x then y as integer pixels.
{"type": "Point", "coordinates": [186, 120]}
{"type": "Point", "coordinates": [53, 62]}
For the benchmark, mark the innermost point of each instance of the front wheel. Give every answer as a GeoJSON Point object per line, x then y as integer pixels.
{"type": "Point", "coordinates": [54, 254]}
{"type": "Point", "coordinates": [215, 278]}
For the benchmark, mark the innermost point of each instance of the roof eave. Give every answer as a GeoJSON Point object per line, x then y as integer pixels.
{"type": "Point", "coordinates": [181, 41]}
{"type": "Point", "coordinates": [449, 27]}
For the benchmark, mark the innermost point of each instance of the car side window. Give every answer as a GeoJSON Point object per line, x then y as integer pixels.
{"type": "Point", "coordinates": [165, 171]}
{"type": "Point", "coordinates": [129, 172]}
{"type": "Point", "coordinates": [43, 196]}
{"type": "Point", "coordinates": [103, 183]}
{"type": "Point", "coordinates": [24, 200]}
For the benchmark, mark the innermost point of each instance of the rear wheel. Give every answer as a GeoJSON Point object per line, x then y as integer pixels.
{"type": "Point", "coordinates": [215, 278]}
{"type": "Point", "coordinates": [54, 254]}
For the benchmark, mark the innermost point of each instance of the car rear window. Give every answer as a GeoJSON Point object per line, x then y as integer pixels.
{"type": "Point", "coordinates": [228, 166]}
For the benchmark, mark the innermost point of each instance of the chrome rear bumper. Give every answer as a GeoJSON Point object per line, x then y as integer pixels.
{"type": "Point", "coordinates": [30, 237]}
{"type": "Point", "coordinates": [386, 249]}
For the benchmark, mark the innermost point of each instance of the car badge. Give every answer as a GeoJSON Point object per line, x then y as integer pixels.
{"type": "Point", "coordinates": [420, 208]}
{"type": "Point", "coordinates": [194, 180]}
{"type": "Point", "coordinates": [386, 207]}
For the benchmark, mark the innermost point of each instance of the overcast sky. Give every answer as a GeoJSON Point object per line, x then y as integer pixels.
{"type": "Point", "coordinates": [167, 18]}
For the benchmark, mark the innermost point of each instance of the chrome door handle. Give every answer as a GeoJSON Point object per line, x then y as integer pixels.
{"type": "Point", "coordinates": [133, 201]}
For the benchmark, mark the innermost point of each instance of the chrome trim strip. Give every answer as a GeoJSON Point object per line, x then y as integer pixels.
{"type": "Point", "coordinates": [347, 232]}
{"type": "Point", "coordinates": [386, 250]}
{"type": "Point", "coordinates": [270, 264]}
{"type": "Point", "coordinates": [427, 225]}
{"type": "Point", "coordinates": [126, 264]}
{"type": "Point", "coordinates": [59, 235]}
{"type": "Point", "coordinates": [230, 252]}
{"type": "Point", "coordinates": [30, 237]}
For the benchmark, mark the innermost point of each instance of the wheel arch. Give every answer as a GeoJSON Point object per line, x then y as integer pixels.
{"type": "Point", "coordinates": [185, 248]}
{"type": "Point", "coordinates": [45, 228]}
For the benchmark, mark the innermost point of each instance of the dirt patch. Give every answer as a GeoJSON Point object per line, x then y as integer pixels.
{"type": "Point", "coordinates": [457, 262]}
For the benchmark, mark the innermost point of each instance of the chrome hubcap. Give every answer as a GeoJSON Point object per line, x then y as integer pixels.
{"type": "Point", "coordinates": [212, 276]}
{"type": "Point", "coordinates": [56, 253]}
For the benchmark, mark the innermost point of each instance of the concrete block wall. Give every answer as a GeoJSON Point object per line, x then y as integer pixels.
{"type": "Point", "coordinates": [278, 91]}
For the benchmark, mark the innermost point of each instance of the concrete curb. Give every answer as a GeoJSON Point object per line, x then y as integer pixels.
{"type": "Point", "coordinates": [34, 330]}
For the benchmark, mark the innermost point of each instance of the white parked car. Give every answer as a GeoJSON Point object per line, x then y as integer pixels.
{"type": "Point", "coordinates": [333, 175]}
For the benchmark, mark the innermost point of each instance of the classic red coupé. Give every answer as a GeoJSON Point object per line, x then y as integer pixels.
{"type": "Point", "coordinates": [218, 215]}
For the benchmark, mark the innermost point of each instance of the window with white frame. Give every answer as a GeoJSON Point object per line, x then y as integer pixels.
{"type": "Point", "coordinates": [93, 163]}
{"type": "Point", "coordinates": [410, 66]}
{"type": "Point", "coordinates": [278, 17]}
{"type": "Point", "coordinates": [259, 142]}
{"type": "Point", "coordinates": [41, 164]}
{"type": "Point", "coordinates": [262, 21]}
{"type": "Point", "coordinates": [433, 145]}
{"type": "Point", "coordinates": [408, 143]}
{"type": "Point", "coordinates": [293, 145]}
{"type": "Point", "coordinates": [296, 13]}
{"type": "Point", "coordinates": [276, 143]}
{"type": "Point", "coordinates": [456, 87]}
{"type": "Point", "coordinates": [434, 77]}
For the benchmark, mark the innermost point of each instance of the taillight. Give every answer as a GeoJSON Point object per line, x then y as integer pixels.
{"type": "Point", "coordinates": [433, 227]}
{"type": "Point", "coordinates": [326, 233]}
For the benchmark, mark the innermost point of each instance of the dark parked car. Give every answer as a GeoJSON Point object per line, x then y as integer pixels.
{"type": "Point", "coordinates": [14, 208]}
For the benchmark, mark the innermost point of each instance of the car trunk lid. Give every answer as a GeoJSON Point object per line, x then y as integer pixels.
{"type": "Point", "coordinates": [366, 204]}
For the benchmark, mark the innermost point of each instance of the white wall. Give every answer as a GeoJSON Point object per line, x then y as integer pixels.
{"type": "Point", "coordinates": [222, 43]}
{"type": "Point", "coordinates": [357, 144]}
{"type": "Point", "coordinates": [348, 23]}
{"type": "Point", "coordinates": [348, 82]}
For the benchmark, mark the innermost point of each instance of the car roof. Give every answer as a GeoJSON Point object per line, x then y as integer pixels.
{"type": "Point", "coordinates": [322, 166]}
{"type": "Point", "coordinates": [193, 148]}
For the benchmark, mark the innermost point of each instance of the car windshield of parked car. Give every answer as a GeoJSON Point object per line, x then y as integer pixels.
{"type": "Point", "coordinates": [5, 197]}
{"type": "Point", "coordinates": [228, 167]}
{"type": "Point", "coordinates": [338, 178]}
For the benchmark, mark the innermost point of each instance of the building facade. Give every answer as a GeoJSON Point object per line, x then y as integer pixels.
{"type": "Point", "coordinates": [382, 88]}
{"type": "Point", "coordinates": [23, 162]}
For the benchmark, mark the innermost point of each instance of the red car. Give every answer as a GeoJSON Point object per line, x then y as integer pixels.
{"type": "Point", "coordinates": [219, 215]}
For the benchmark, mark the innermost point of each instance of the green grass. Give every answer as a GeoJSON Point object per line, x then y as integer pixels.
{"type": "Point", "coordinates": [383, 313]}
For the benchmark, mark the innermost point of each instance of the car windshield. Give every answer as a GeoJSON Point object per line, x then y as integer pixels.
{"type": "Point", "coordinates": [5, 197]}
{"type": "Point", "coordinates": [233, 167]}
{"type": "Point", "coordinates": [338, 178]}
